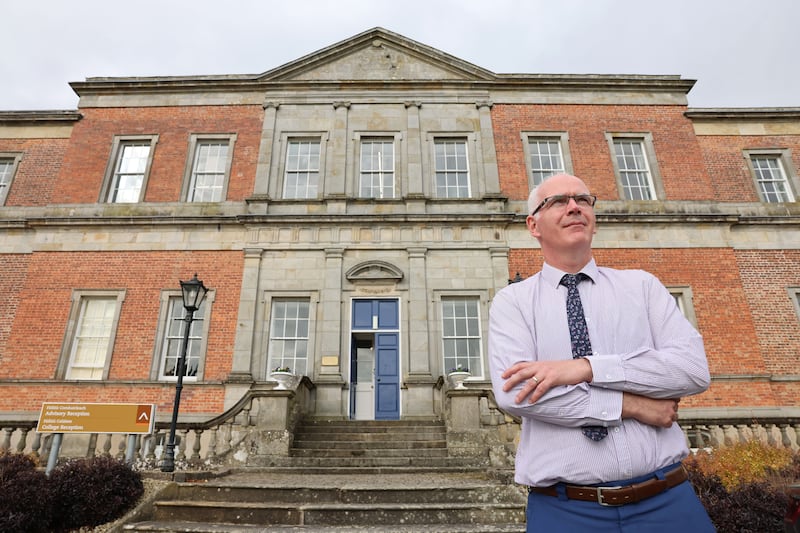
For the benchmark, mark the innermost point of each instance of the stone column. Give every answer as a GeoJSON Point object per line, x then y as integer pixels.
{"type": "Point", "coordinates": [265, 156]}
{"type": "Point", "coordinates": [491, 178]}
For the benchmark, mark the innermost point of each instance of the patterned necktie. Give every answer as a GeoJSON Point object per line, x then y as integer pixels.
{"type": "Point", "coordinates": [579, 336]}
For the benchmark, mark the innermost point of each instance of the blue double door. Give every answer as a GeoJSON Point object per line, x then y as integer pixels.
{"type": "Point", "coordinates": [375, 360]}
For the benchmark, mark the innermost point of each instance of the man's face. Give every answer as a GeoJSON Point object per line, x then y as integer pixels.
{"type": "Point", "coordinates": [563, 226]}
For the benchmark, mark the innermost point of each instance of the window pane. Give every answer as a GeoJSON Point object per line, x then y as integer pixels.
{"type": "Point", "coordinates": [771, 179]}
{"type": "Point", "coordinates": [377, 168]}
{"type": "Point", "coordinates": [452, 172]}
{"type": "Point", "coordinates": [6, 174]}
{"type": "Point", "coordinates": [461, 336]}
{"type": "Point", "coordinates": [90, 346]}
{"type": "Point", "coordinates": [173, 341]}
{"type": "Point", "coordinates": [208, 172]}
{"type": "Point", "coordinates": [289, 327]}
{"type": "Point", "coordinates": [633, 169]}
{"type": "Point", "coordinates": [546, 159]}
{"type": "Point", "coordinates": [302, 169]}
{"type": "Point", "coordinates": [129, 172]}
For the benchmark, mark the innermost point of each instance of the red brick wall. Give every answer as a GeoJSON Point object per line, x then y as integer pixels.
{"type": "Point", "coordinates": [732, 179]}
{"type": "Point", "coordinates": [677, 152]}
{"type": "Point", "coordinates": [41, 320]}
{"type": "Point", "coordinates": [13, 270]}
{"type": "Point", "coordinates": [81, 177]}
{"type": "Point", "coordinates": [767, 276]}
{"type": "Point", "coordinates": [37, 170]}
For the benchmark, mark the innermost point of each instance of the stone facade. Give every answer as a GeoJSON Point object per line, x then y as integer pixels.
{"type": "Point", "coordinates": [730, 255]}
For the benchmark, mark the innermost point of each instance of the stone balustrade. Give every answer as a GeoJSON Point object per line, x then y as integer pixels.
{"type": "Point", "coordinates": [259, 430]}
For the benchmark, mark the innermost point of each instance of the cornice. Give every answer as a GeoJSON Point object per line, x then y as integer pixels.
{"type": "Point", "coordinates": [744, 113]}
{"type": "Point", "coordinates": [39, 116]}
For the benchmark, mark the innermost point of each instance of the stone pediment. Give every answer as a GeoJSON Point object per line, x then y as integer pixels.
{"type": "Point", "coordinates": [377, 55]}
{"type": "Point", "coordinates": [374, 271]}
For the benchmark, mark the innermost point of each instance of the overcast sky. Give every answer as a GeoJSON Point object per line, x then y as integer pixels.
{"type": "Point", "coordinates": [743, 53]}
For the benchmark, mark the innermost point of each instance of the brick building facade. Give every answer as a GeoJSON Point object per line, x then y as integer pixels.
{"type": "Point", "coordinates": [354, 211]}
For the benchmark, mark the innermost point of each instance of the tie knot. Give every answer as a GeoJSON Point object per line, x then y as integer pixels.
{"type": "Point", "coordinates": [572, 280]}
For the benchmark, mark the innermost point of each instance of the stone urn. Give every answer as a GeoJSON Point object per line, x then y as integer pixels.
{"type": "Point", "coordinates": [286, 380]}
{"type": "Point", "coordinates": [457, 378]}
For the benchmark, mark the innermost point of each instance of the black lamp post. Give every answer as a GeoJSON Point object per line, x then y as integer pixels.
{"type": "Point", "coordinates": [193, 293]}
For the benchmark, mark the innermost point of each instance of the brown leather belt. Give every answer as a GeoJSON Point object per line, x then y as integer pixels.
{"type": "Point", "coordinates": [619, 495]}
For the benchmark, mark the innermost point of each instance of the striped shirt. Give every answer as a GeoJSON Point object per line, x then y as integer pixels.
{"type": "Point", "coordinates": [641, 343]}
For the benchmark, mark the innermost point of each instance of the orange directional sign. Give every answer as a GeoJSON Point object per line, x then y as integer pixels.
{"type": "Point", "coordinates": [96, 418]}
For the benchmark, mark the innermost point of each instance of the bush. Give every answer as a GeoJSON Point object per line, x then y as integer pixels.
{"type": "Point", "coordinates": [743, 486]}
{"type": "Point", "coordinates": [25, 501]}
{"type": "Point", "coordinates": [744, 462]}
{"type": "Point", "coordinates": [90, 492]}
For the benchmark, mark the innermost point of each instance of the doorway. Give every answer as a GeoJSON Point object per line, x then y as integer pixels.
{"type": "Point", "coordinates": [375, 360]}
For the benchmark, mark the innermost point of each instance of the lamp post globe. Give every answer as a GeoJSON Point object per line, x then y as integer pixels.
{"type": "Point", "coordinates": [193, 292]}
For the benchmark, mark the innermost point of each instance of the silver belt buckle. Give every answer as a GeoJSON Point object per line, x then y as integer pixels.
{"type": "Point", "coordinates": [600, 498]}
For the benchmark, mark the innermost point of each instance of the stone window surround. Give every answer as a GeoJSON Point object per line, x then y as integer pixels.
{"type": "Point", "coordinates": [470, 139]}
{"type": "Point", "coordinates": [261, 354]}
{"type": "Point", "coordinates": [277, 188]}
{"type": "Point", "coordinates": [483, 315]}
{"type": "Point", "coordinates": [400, 182]}
{"type": "Point", "coordinates": [561, 136]}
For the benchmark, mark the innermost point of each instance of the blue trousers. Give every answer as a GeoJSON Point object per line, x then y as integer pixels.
{"type": "Point", "coordinates": [677, 510]}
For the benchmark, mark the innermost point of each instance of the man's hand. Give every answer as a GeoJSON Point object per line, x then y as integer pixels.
{"type": "Point", "coordinates": [541, 376]}
{"type": "Point", "coordinates": [659, 413]}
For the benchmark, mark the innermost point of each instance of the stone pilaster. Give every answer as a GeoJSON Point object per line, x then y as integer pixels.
{"type": "Point", "coordinates": [242, 365]}
{"type": "Point", "coordinates": [265, 156]}
{"type": "Point", "coordinates": [335, 171]}
{"type": "Point", "coordinates": [414, 151]}
{"type": "Point", "coordinates": [491, 178]}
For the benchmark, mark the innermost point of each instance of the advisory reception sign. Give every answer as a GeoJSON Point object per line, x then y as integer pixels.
{"type": "Point", "coordinates": [96, 418]}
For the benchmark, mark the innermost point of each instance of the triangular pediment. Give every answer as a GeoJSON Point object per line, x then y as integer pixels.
{"type": "Point", "coordinates": [378, 55]}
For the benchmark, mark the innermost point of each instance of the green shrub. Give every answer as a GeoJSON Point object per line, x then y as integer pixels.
{"type": "Point", "coordinates": [25, 501]}
{"type": "Point", "coordinates": [90, 492]}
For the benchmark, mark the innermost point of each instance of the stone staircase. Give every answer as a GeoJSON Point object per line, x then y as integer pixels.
{"type": "Point", "coordinates": [349, 476]}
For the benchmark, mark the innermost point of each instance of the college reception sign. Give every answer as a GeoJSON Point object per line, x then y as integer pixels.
{"type": "Point", "coordinates": [96, 418]}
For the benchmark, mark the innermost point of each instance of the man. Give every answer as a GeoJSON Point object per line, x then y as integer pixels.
{"type": "Point", "coordinates": [604, 420]}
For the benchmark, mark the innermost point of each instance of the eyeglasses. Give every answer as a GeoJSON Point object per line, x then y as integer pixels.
{"type": "Point", "coordinates": [562, 200]}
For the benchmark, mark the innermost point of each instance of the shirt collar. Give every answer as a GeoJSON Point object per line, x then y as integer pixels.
{"type": "Point", "coordinates": [553, 275]}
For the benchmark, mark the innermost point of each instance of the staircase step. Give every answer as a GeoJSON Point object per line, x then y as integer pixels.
{"type": "Point", "coordinates": [337, 513]}
{"type": "Point", "coordinates": [374, 476]}
{"type": "Point", "coordinates": [196, 527]}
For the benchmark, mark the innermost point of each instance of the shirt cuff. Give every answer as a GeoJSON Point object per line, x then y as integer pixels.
{"type": "Point", "coordinates": [605, 406]}
{"type": "Point", "coordinates": [606, 370]}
